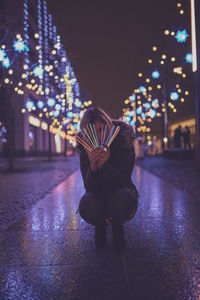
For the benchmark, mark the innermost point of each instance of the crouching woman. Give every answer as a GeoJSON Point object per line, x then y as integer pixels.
{"type": "Point", "coordinates": [111, 196]}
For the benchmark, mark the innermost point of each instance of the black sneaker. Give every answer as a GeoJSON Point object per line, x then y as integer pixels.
{"type": "Point", "coordinates": [118, 235]}
{"type": "Point", "coordinates": [100, 236]}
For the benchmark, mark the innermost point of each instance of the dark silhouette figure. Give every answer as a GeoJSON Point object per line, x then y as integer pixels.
{"type": "Point", "coordinates": [177, 137]}
{"type": "Point", "coordinates": [186, 137]}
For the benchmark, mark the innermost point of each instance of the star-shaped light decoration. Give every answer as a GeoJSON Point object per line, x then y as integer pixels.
{"type": "Point", "coordinates": [181, 36]}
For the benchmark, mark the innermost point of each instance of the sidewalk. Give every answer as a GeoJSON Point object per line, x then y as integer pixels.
{"type": "Point", "coordinates": [32, 180]}
{"type": "Point", "coordinates": [183, 174]}
{"type": "Point", "coordinates": [50, 254]}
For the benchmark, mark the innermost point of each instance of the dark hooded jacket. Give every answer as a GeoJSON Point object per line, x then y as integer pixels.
{"type": "Point", "coordinates": [117, 170]}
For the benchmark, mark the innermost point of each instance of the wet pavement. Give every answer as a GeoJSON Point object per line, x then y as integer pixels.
{"type": "Point", "coordinates": [50, 254]}
{"type": "Point", "coordinates": [182, 173]}
{"type": "Point", "coordinates": [32, 179]}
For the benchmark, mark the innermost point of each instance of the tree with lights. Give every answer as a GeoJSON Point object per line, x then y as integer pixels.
{"type": "Point", "coordinates": [35, 67]}
{"type": "Point", "coordinates": [163, 87]}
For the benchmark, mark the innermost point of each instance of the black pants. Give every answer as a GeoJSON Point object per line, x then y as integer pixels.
{"type": "Point", "coordinates": [121, 205]}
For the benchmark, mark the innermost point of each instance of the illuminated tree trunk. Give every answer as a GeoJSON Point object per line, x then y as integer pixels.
{"type": "Point", "coordinates": [50, 145]}
{"type": "Point", "coordinates": [10, 131]}
{"type": "Point", "coordinates": [165, 114]}
{"type": "Point", "coordinates": [65, 146]}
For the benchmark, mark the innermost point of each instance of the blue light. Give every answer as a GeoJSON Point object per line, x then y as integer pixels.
{"type": "Point", "coordinates": [70, 114]}
{"type": "Point", "coordinates": [132, 97]}
{"type": "Point", "coordinates": [147, 105]}
{"type": "Point", "coordinates": [78, 103]}
{"type": "Point", "coordinates": [132, 123]}
{"type": "Point", "coordinates": [2, 54]}
{"type": "Point", "coordinates": [130, 113]}
{"type": "Point", "coordinates": [6, 62]}
{"type": "Point", "coordinates": [155, 103]}
{"type": "Point", "coordinates": [152, 113]}
{"type": "Point", "coordinates": [51, 102]}
{"type": "Point", "coordinates": [58, 107]}
{"type": "Point", "coordinates": [139, 110]}
{"type": "Point", "coordinates": [188, 58]}
{"type": "Point", "coordinates": [40, 104]}
{"type": "Point", "coordinates": [38, 71]}
{"type": "Point", "coordinates": [174, 96]}
{"type": "Point", "coordinates": [20, 46]}
{"type": "Point", "coordinates": [142, 89]}
{"type": "Point", "coordinates": [127, 119]}
{"type": "Point", "coordinates": [56, 113]}
{"type": "Point", "coordinates": [29, 104]}
{"type": "Point", "coordinates": [155, 74]}
{"type": "Point", "coordinates": [181, 36]}
{"type": "Point", "coordinates": [143, 116]}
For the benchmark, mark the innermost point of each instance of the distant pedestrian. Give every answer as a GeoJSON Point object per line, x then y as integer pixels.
{"type": "Point", "coordinates": [177, 137]}
{"type": "Point", "coordinates": [110, 193]}
{"type": "Point", "coordinates": [186, 137]}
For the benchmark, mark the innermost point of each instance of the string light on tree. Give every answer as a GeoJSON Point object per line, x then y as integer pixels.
{"type": "Point", "coordinates": [142, 89]}
{"type": "Point", "coordinates": [40, 104]}
{"type": "Point", "coordinates": [20, 46]}
{"type": "Point", "coordinates": [132, 97]}
{"type": "Point", "coordinates": [188, 58]}
{"type": "Point", "coordinates": [51, 102]}
{"type": "Point", "coordinates": [29, 104]}
{"type": "Point", "coordinates": [155, 74]}
{"type": "Point", "coordinates": [174, 96]}
{"type": "Point", "coordinates": [38, 71]}
{"type": "Point", "coordinates": [181, 36]}
{"type": "Point", "coordinates": [152, 113]}
{"type": "Point", "coordinates": [6, 62]}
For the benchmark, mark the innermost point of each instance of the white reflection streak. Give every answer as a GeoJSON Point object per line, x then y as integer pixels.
{"type": "Point", "coordinates": [193, 28]}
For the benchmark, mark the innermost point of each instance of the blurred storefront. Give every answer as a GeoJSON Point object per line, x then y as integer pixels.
{"type": "Point", "coordinates": [190, 122]}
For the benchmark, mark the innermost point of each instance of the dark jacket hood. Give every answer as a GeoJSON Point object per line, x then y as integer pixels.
{"type": "Point", "coordinates": [126, 135]}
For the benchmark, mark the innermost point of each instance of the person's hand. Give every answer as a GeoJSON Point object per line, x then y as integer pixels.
{"type": "Point", "coordinates": [105, 154]}
{"type": "Point", "coordinates": [94, 157]}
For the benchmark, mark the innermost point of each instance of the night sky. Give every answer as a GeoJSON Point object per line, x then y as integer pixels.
{"type": "Point", "coordinates": [109, 42]}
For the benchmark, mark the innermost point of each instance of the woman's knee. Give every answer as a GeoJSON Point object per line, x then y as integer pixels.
{"type": "Point", "coordinates": [124, 204]}
{"type": "Point", "coordinates": [91, 209]}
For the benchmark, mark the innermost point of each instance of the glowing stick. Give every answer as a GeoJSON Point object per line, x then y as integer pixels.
{"type": "Point", "coordinates": [104, 134]}
{"type": "Point", "coordinates": [93, 133]}
{"type": "Point", "coordinates": [111, 131]}
{"type": "Point", "coordinates": [96, 138]}
{"type": "Point", "coordinates": [101, 135]}
{"type": "Point", "coordinates": [88, 137]}
{"type": "Point", "coordinates": [89, 143]}
{"type": "Point", "coordinates": [83, 143]}
{"type": "Point", "coordinates": [114, 135]}
{"type": "Point", "coordinates": [90, 133]}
